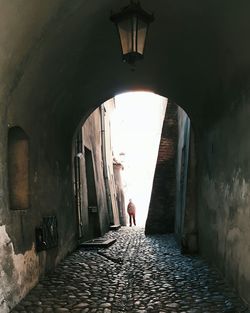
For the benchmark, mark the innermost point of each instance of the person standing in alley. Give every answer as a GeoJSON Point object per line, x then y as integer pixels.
{"type": "Point", "coordinates": [131, 212]}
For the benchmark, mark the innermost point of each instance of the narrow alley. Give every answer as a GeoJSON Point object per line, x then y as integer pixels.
{"type": "Point", "coordinates": [137, 273]}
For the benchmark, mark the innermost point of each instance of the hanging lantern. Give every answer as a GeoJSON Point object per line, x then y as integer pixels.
{"type": "Point", "coordinates": [132, 24]}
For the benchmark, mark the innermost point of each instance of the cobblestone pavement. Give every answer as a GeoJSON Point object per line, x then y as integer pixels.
{"type": "Point", "coordinates": [136, 274]}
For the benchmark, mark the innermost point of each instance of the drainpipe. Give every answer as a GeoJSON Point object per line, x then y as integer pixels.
{"type": "Point", "coordinates": [105, 166]}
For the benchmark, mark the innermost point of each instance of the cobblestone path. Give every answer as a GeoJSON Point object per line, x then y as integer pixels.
{"type": "Point", "coordinates": [136, 274]}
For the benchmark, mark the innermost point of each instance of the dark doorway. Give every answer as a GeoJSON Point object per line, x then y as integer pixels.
{"type": "Point", "coordinates": [94, 223]}
{"type": "Point", "coordinates": [78, 191]}
{"type": "Point", "coordinates": [78, 186]}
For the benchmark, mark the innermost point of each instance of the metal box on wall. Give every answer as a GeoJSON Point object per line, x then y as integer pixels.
{"type": "Point", "coordinates": [47, 234]}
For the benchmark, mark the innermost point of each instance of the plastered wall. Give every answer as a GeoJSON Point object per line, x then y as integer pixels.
{"type": "Point", "coordinates": [18, 272]}
{"type": "Point", "coordinates": [224, 195]}
{"type": "Point", "coordinates": [50, 194]}
{"type": "Point", "coordinates": [181, 170]}
{"type": "Point", "coordinates": [92, 140]}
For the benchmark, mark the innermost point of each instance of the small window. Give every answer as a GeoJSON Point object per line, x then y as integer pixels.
{"type": "Point", "coordinates": [18, 169]}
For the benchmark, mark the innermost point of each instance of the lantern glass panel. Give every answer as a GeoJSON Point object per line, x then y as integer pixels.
{"type": "Point", "coordinates": [141, 36]}
{"type": "Point", "coordinates": [124, 28]}
{"type": "Point", "coordinates": [134, 32]}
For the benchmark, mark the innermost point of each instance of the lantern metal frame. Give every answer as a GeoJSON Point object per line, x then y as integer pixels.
{"type": "Point", "coordinates": [130, 14]}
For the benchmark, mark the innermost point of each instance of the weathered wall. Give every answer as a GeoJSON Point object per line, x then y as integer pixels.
{"type": "Point", "coordinates": [118, 167]}
{"type": "Point", "coordinates": [190, 230]}
{"type": "Point", "coordinates": [20, 266]}
{"type": "Point", "coordinates": [19, 272]}
{"type": "Point", "coordinates": [224, 195]}
{"type": "Point", "coordinates": [109, 107]}
{"type": "Point", "coordinates": [92, 140]}
{"type": "Point", "coordinates": [181, 170]}
{"type": "Point", "coordinates": [161, 214]}
{"type": "Point", "coordinates": [186, 210]}
{"type": "Point", "coordinates": [49, 195]}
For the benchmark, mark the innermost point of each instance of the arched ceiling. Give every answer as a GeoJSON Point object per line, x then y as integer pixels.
{"type": "Point", "coordinates": [60, 59]}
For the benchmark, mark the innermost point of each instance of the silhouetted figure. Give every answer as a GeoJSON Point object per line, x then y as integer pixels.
{"type": "Point", "coordinates": [131, 212]}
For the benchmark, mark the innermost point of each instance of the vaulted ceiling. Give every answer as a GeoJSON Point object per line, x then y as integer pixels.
{"type": "Point", "coordinates": [61, 59]}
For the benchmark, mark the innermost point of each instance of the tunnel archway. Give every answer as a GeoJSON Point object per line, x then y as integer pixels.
{"type": "Point", "coordinates": [56, 52]}
{"type": "Point", "coordinates": [173, 206]}
{"type": "Point", "coordinates": [60, 61]}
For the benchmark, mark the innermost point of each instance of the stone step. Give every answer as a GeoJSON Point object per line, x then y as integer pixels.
{"type": "Point", "coordinates": [97, 243]}
{"type": "Point", "coordinates": [115, 227]}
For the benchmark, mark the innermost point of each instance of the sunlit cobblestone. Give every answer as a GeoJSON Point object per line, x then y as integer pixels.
{"type": "Point", "coordinates": [137, 274]}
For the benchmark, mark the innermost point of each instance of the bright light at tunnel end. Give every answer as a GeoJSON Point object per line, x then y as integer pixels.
{"type": "Point", "coordinates": [136, 130]}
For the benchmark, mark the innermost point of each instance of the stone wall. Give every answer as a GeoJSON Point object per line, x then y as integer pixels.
{"type": "Point", "coordinates": [224, 194]}
{"type": "Point", "coordinates": [161, 214]}
{"type": "Point", "coordinates": [49, 191]}
{"type": "Point", "coordinates": [190, 234]}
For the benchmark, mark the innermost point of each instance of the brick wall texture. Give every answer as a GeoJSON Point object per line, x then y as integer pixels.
{"type": "Point", "coordinates": [161, 215]}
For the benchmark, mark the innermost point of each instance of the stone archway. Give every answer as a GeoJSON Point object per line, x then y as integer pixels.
{"type": "Point", "coordinates": [60, 60]}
